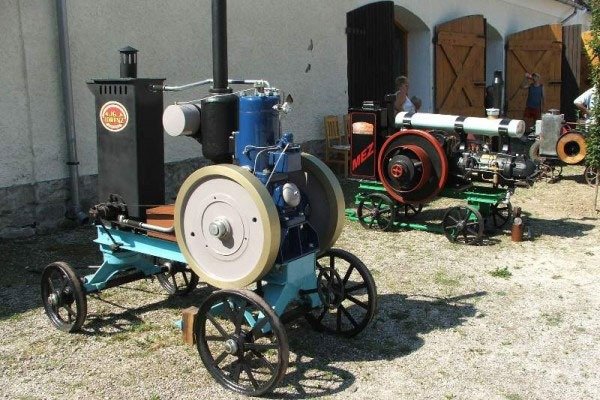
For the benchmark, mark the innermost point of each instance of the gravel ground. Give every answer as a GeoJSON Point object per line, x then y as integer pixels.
{"type": "Point", "coordinates": [502, 320]}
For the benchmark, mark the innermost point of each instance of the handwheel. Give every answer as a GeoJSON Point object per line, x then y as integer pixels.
{"type": "Point", "coordinates": [409, 211]}
{"type": "Point", "coordinates": [241, 342]}
{"type": "Point", "coordinates": [348, 293]}
{"type": "Point", "coordinates": [463, 224]}
{"type": "Point", "coordinates": [590, 175]}
{"type": "Point", "coordinates": [179, 280]}
{"type": "Point", "coordinates": [376, 211]}
{"type": "Point", "coordinates": [500, 214]}
{"type": "Point", "coordinates": [63, 297]}
{"type": "Point", "coordinates": [227, 226]}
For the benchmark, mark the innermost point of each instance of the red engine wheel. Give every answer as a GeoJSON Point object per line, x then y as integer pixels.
{"type": "Point", "coordinates": [412, 166]}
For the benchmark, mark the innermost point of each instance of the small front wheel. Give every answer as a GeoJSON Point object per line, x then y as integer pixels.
{"type": "Point", "coordinates": [590, 175]}
{"type": "Point", "coordinates": [500, 214]}
{"type": "Point", "coordinates": [347, 292]}
{"type": "Point", "coordinates": [242, 342]}
{"type": "Point", "coordinates": [63, 297]}
{"type": "Point", "coordinates": [463, 224]}
{"type": "Point", "coordinates": [376, 211]}
{"type": "Point", "coordinates": [179, 279]}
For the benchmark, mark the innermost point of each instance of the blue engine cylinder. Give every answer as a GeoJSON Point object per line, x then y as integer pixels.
{"type": "Point", "coordinates": [259, 126]}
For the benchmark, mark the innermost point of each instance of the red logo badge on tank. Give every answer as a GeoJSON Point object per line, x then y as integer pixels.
{"type": "Point", "coordinates": [114, 116]}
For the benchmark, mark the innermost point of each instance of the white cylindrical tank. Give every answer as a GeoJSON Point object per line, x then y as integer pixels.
{"type": "Point", "coordinates": [181, 119]}
{"type": "Point", "coordinates": [475, 125]}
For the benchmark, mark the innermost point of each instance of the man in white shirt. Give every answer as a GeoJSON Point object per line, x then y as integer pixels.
{"type": "Point", "coordinates": [585, 102]}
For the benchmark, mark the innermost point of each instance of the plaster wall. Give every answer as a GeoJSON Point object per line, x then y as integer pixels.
{"type": "Point", "coordinates": [299, 46]}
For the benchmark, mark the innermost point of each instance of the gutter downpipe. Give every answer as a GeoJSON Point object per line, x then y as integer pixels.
{"type": "Point", "coordinates": [576, 7]}
{"type": "Point", "coordinates": [74, 211]}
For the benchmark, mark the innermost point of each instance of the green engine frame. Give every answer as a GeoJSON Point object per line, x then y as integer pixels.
{"type": "Point", "coordinates": [483, 202]}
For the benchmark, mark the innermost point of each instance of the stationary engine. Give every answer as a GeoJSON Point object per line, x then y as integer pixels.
{"type": "Point", "coordinates": [430, 152]}
{"type": "Point", "coordinates": [430, 156]}
{"type": "Point", "coordinates": [265, 215]}
{"type": "Point", "coordinates": [271, 205]}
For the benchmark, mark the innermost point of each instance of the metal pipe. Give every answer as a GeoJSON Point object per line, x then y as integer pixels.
{"type": "Point", "coordinates": [74, 212]}
{"type": "Point", "coordinates": [572, 4]}
{"type": "Point", "coordinates": [166, 88]}
{"type": "Point", "coordinates": [141, 225]}
{"type": "Point", "coordinates": [219, 46]}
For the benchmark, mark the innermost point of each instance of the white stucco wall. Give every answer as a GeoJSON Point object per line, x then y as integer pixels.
{"type": "Point", "coordinates": [267, 39]}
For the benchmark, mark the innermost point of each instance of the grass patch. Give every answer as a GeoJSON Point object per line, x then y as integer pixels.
{"type": "Point", "coordinates": [553, 319]}
{"type": "Point", "coordinates": [443, 278]}
{"type": "Point", "coordinates": [501, 273]}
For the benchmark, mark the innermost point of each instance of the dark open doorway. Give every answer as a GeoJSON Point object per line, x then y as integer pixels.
{"type": "Point", "coordinates": [370, 31]}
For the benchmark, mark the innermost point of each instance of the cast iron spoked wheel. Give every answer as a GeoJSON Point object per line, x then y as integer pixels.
{"type": "Point", "coordinates": [590, 175]}
{"type": "Point", "coordinates": [409, 211]}
{"type": "Point", "coordinates": [463, 224]}
{"type": "Point", "coordinates": [63, 297]}
{"type": "Point", "coordinates": [348, 293]}
{"type": "Point", "coordinates": [376, 211]}
{"type": "Point", "coordinates": [550, 173]}
{"type": "Point", "coordinates": [179, 280]}
{"type": "Point", "coordinates": [241, 357]}
{"type": "Point", "coordinates": [500, 214]}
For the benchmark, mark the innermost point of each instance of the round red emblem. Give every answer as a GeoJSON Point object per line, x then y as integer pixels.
{"type": "Point", "coordinates": [114, 116]}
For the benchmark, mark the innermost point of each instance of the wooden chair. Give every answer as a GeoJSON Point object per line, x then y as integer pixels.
{"type": "Point", "coordinates": [337, 148]}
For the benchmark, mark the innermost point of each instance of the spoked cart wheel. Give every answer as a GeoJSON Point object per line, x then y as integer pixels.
{"type": "Point", "coordinates": [179, 280]}
{"type": "Point", "coordinates": [409, 211]}
{"type": "Point", "coordinates": [242, 342]}
{"type": "Point", "coordinates": [590, 175]}
{"type": "Point", "coordinates": [376, 211]}
{"type": "Point", "coordinates": [549, 172]}
{"type": "Point", "coordinates": [500, 214]}
{"type": "Point", "coordinates": [348, 293]}
{"type": "Point", "coordinates": [63, 297]}
{"type": "Point", "coordinates": [463, 224]}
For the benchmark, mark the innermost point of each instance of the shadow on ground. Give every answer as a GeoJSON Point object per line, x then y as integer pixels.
{"type": "Point", "coordinates": [396, 331]}
{"type": "Point", "coordinates": [563, 227]}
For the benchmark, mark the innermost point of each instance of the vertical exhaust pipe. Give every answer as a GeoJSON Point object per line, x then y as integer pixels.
{"type": "Point", "coordinates": [219, 116]}
{"type": "Point", "coordinates": [219, 46]}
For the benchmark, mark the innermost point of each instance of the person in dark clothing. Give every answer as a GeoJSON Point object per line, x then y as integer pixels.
{"type": "Point", "coordinates": [535, 98]}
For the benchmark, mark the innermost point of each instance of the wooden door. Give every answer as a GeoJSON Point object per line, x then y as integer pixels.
{"type": "Point", "coordinates": [570, 69]}
{"type": "Point", "coordinates": [533, 50]}
{"type": "Point", "coordinates": [370, 38]}
{"type": "Point", "coordinates": [460, 66]}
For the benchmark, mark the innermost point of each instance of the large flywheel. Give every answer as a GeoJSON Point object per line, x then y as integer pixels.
{"type": "Point", "coordinates": [227, 226]}
{"type": "Point", "coordinates": [412, 166]}
{"type": "Point", "coordinates": [325, 199]}
{"type": "Point", "coordinates": [571, 148]}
